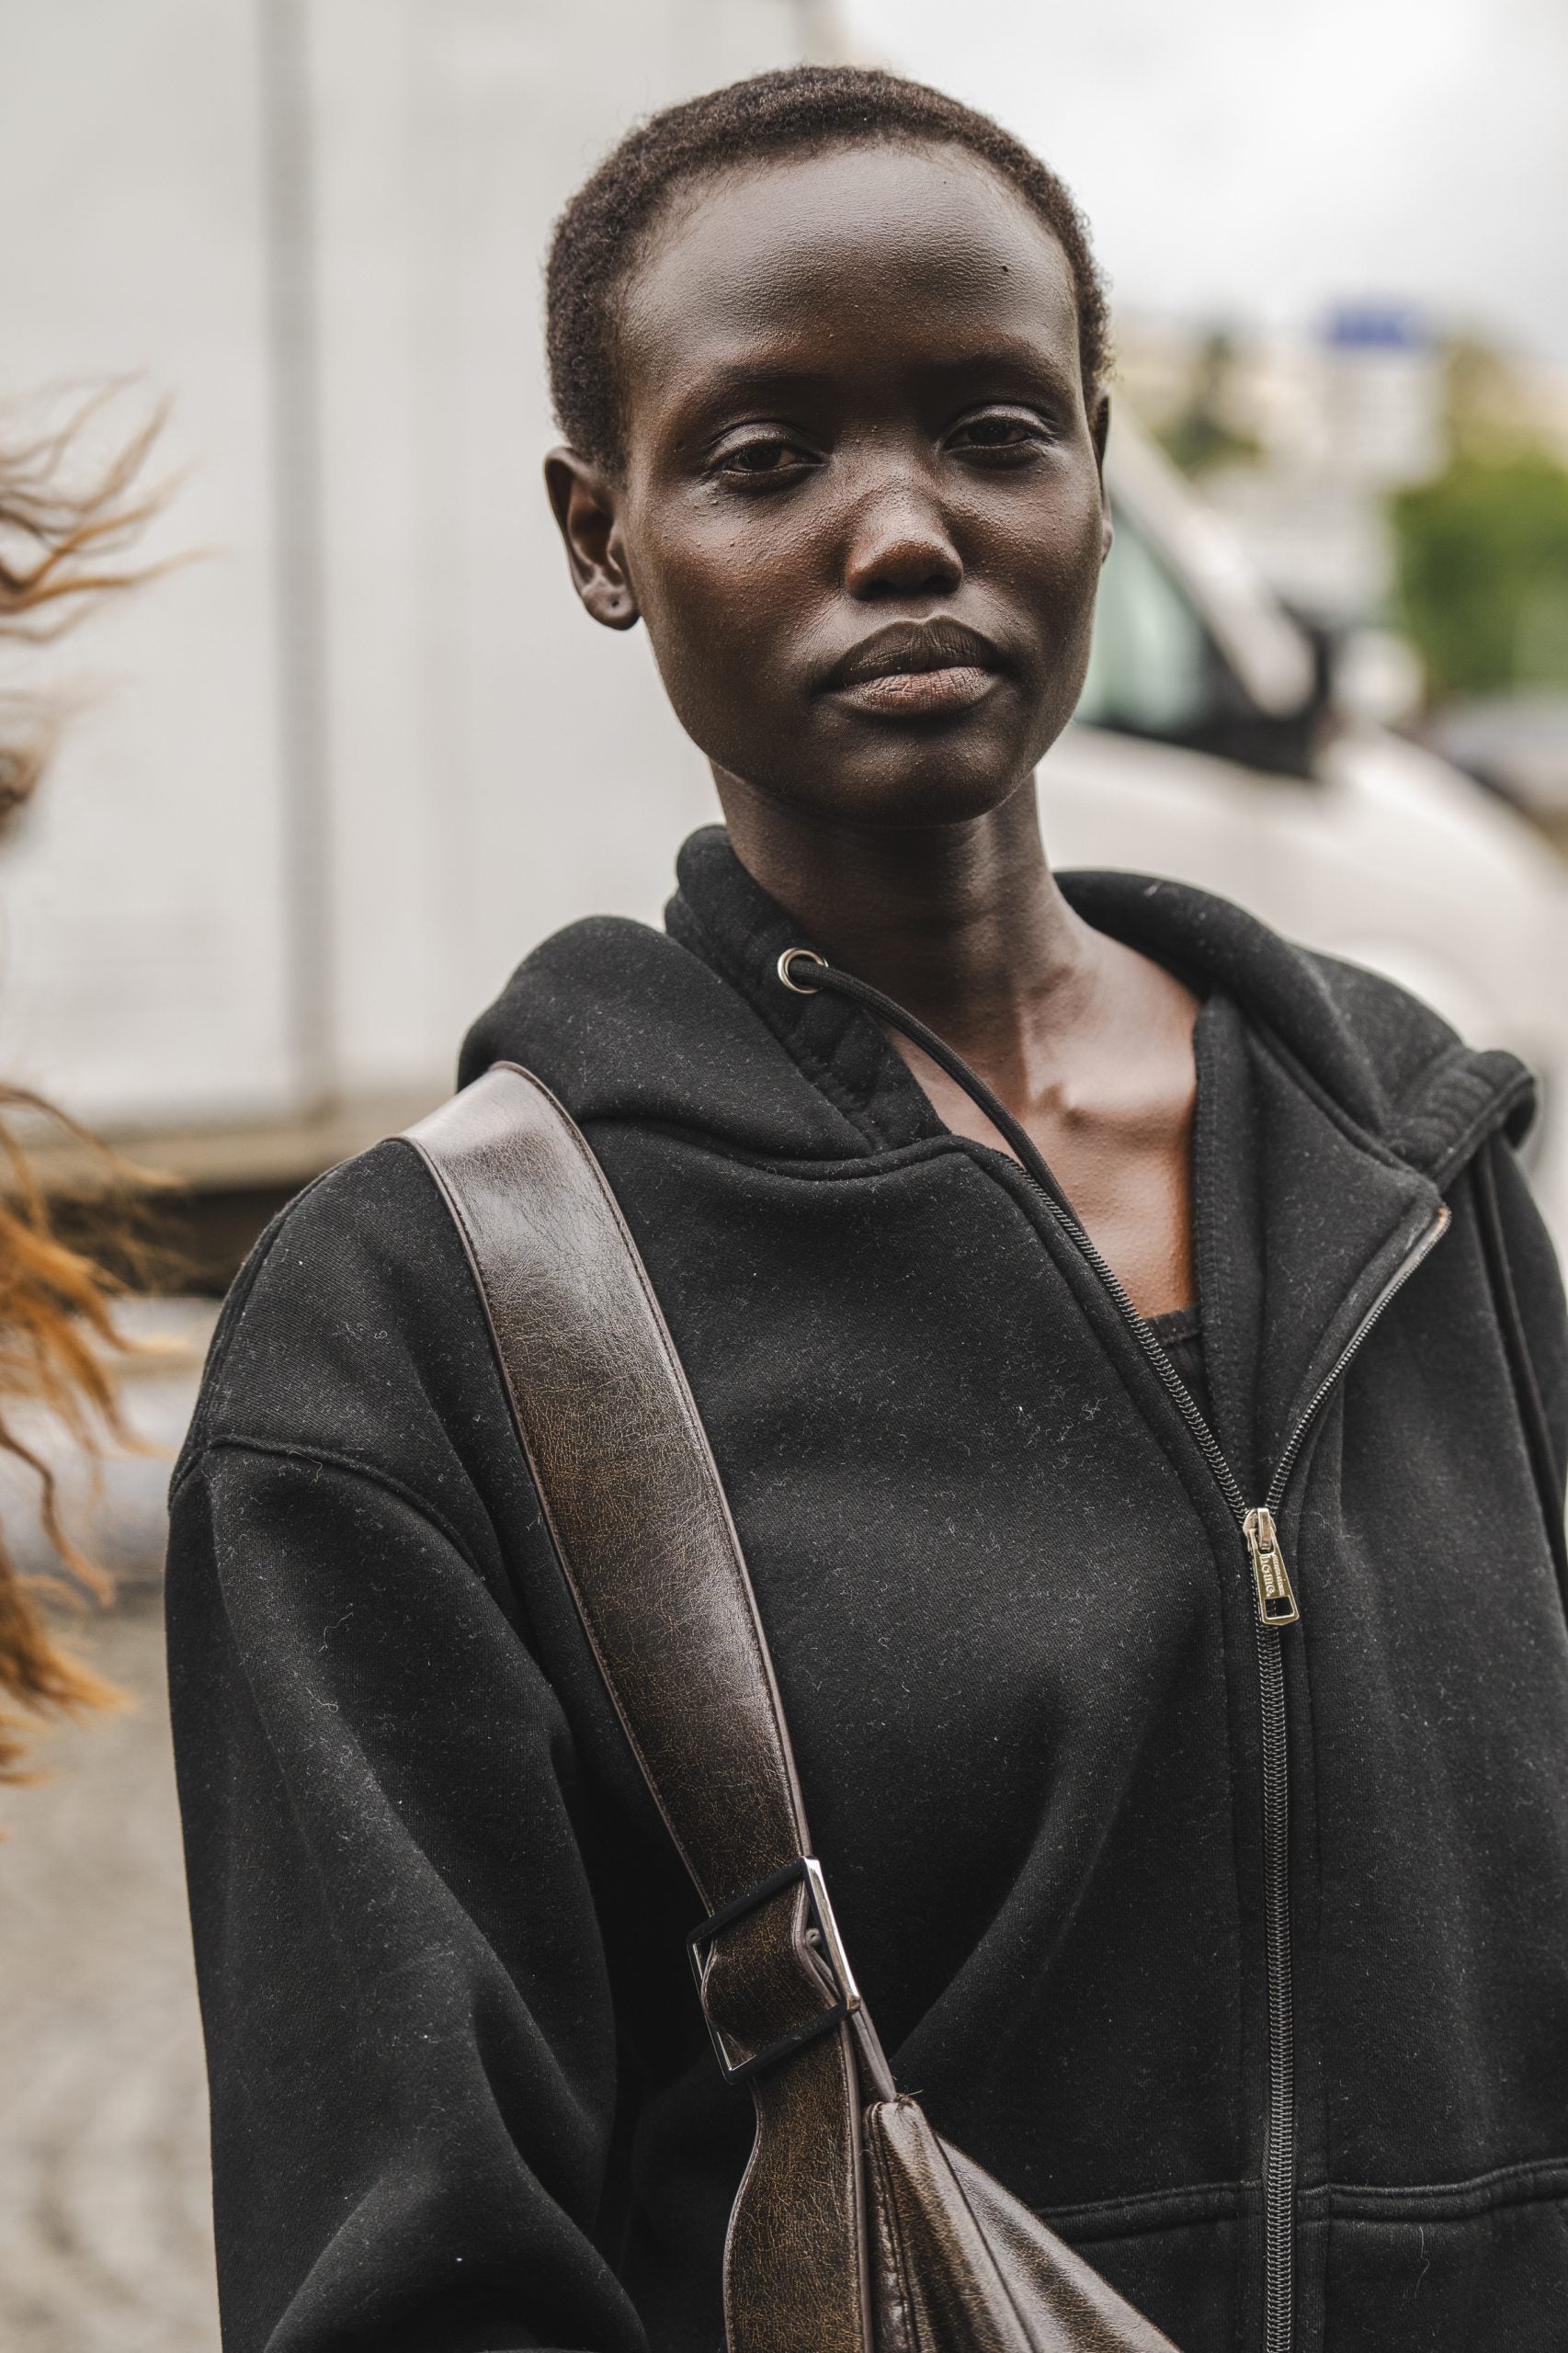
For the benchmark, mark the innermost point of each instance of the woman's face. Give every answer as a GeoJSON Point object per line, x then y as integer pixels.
{"type": "Point", "coordinates": [861, 510]}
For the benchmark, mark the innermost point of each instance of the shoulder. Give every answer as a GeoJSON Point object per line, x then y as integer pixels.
{"type": "Point", "coordinates": [1442, 1096]}
{"type": "Point", "coordinates": [354, 1332]}
{"type": "Point", "coordinates": [1399, 1034]}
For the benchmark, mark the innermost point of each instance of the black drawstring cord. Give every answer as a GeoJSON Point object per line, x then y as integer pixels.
{"type": "Point", "coordinates": [826, 976]}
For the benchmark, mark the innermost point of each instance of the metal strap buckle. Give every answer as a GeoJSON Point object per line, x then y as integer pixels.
{"type": "Point", "coordinates": [808, 1869]}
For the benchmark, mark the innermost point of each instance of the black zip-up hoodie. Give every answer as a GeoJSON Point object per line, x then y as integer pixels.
{"type": "Point", "coordinates": [463, 2098]}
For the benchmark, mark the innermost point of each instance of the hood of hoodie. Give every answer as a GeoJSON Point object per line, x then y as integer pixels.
{"type": "Point", "coordinates": [690, 1028]}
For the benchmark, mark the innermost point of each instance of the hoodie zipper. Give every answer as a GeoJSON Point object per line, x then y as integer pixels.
{"type": "Point", "coordinates": [1274, 1602]}
{"type": "Point", "coordinates": [1276, 1607]}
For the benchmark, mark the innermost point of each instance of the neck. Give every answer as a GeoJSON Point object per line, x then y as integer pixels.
{"type": "Point", "coordinates": [963, 924]}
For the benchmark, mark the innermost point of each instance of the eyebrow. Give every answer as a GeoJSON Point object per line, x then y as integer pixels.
{"type": "Point", "coordinates": [739, 379]}
{"type": "Point", "coordinates": [1015, 354]}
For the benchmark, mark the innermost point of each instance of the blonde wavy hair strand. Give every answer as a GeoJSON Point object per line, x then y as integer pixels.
{"type": "Point", "coordinates": [62, 545]}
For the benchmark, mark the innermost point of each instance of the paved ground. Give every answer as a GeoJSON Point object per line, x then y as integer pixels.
{"type": "Point", "coordinates": [105, 2241]}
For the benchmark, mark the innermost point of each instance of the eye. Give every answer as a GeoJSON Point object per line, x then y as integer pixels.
{"type": "Point", "coordinates": [1007, 434]}
{"type": "Point", "coordinates": [763, 459]}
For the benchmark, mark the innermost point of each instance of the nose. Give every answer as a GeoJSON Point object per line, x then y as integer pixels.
{"type": "Point", "coordinates": [900, 545]}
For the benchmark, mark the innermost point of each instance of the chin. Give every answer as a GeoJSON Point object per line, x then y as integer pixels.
{"type": "Point", "coordinates": [924, 790]}
{"type": "Point", "coordinates": [931, 776]}
{"type": "Point", "coordinates": [886, 774]}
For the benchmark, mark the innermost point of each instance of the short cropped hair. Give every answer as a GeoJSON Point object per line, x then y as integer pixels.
{"type": "Point", "coordinates": [603, 233]}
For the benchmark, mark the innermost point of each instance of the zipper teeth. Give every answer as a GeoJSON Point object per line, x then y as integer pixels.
{"type": "Point", "coordinates": [1279, 2163]}
{"type": "Point", "coordinates": [1175, 1388]}
{"type": "Point", "coordinates": [1326, 1387]}
{"type": "Point", "coordinates": [1279, 2175]}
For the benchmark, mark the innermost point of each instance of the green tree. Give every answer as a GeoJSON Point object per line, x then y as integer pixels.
{"type": "Point", "coordinates": [1480, 559]}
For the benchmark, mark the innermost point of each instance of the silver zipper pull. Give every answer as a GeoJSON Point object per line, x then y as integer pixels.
{"type": "Point", "coordinates": [1275, 1601]}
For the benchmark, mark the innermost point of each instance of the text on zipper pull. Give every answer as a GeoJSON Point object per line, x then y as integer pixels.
{"type": "Point", "coordinates": [1275, 1600]}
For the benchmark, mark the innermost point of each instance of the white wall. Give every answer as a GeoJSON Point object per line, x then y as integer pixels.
{"type": "Point", "coordinates": [139, 930]}
{"type": "Point", "coordinates": [491, 765]}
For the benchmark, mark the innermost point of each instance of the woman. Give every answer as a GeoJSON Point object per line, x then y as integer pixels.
{"type": "Point", "coordinates": [1238, 1949]}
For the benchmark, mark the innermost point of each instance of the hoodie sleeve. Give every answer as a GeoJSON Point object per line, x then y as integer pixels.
{"type": "Point", "coordinates": [409, 2029]}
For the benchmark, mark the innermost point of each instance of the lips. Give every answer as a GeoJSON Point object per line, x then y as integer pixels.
{"type": "Point", "coordinates": [917, 669]}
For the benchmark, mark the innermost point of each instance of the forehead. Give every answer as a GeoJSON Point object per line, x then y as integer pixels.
{"type": "Point", "coordinates": [844, 255]}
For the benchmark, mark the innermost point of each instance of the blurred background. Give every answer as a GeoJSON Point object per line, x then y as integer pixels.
{"type": "Point", "coordinates": [319, 789]}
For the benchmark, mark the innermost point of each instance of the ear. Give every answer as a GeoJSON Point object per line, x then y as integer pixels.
{"type": "Point", "coordinates": [1099, 428]}
{"type": "Point", "coordinates": [583, 498]}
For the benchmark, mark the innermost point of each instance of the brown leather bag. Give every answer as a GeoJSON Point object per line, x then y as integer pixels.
{"type": "Point", "coordinates": [855, 2229]}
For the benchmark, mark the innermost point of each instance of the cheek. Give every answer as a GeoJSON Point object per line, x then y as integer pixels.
{"type": "Point", "coordinates": [718, 596]}
{"type": "Point", "coordinates": [1051, 560]}
{"type": "Point", "coordinates": [716, 601]}
{"type": "Point", "coordinates": [1055, 543]}
{"type": "Point", "coordinates": [1045, 556]}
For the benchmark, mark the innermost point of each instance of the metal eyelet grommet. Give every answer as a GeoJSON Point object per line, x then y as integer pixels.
{"type": "Point", "coordinates": [785, 962]}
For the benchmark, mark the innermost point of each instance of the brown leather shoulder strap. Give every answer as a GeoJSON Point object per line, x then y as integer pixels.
{"type": "Point", "coordinates": [633, 1499]}
{"type": "Point", "coordinates": [625, 1476]}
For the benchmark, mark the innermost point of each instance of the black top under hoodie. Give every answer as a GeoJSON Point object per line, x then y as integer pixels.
{"type": "Point", "coordinates": [463, 2097]}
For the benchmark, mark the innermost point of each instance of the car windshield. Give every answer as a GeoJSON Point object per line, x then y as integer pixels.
{"type": "Point", "coordinates": [1151, 671]}
{"type": "Point", "coordinates": [1156, 671]}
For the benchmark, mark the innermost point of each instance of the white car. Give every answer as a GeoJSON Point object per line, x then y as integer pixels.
{"type": "Point", "coordinates": [1206, 749]}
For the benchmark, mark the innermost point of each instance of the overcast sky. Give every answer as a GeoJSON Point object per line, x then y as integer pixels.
{"type": "Point", "coordinates": [1247, 158]}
